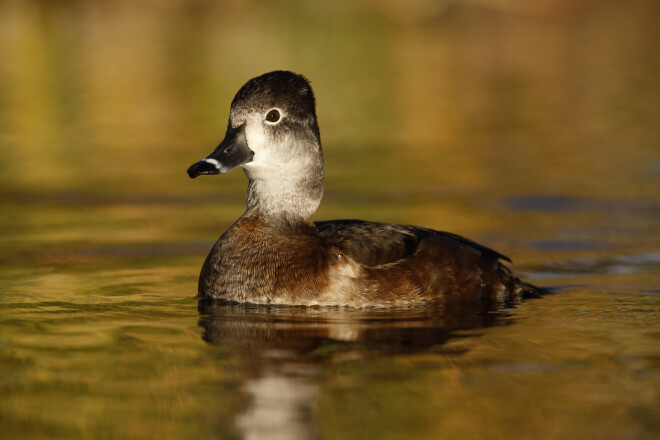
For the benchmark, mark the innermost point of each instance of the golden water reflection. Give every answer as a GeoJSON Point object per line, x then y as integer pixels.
{"type": "Point", "coordinates": [118, 96]}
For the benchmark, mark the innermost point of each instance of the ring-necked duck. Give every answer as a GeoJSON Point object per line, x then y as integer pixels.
{"type": "Point", "coordinates": [276, 254]}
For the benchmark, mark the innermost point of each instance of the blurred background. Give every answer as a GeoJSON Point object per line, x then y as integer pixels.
{"type": "Point", "coordinates": [421, 103]}
{"type": "Point", "coordinates": [533, 127]}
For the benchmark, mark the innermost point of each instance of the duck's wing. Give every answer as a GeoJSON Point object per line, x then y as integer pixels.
{"type": "Point", "coordinates": [373, 244]}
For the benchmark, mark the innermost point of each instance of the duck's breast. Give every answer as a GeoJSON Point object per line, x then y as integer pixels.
{"type": "Point", "coordinates": [256, 262]}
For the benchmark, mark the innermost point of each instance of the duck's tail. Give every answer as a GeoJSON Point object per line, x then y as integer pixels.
{"type": "Point", "coordinates": [528, 290]}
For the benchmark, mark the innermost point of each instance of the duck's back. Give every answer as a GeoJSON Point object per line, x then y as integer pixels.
{"type": "Point", "coordinates": [440, 266]}
{"type": "Point", "coordinates": [373, 243]}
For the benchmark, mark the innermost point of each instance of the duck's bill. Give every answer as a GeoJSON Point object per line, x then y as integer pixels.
{"type": "Point", "coordinates": [232, 152]}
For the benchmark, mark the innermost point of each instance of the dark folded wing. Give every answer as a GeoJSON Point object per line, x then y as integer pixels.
{"type": "Point", "coordinates": [374, 244]}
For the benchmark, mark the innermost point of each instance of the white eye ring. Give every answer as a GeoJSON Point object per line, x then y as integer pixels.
{"type": "Point", "coordinates": [274, 116]}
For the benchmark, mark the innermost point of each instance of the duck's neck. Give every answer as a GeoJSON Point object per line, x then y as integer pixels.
{"type": "Point", "coordinates": [286, 195]}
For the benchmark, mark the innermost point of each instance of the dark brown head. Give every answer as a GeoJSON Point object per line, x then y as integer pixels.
{"type": "Point", "coordinates": [273, 134]}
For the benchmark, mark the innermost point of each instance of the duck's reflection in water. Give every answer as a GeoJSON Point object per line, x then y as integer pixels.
{"type": "Point", "coordinates": [285, 348]}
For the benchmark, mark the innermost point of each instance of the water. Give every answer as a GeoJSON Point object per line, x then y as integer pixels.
{"type": "Point", "coordinates": [531, 129]}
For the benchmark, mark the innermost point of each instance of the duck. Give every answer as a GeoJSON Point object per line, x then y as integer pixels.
{"type": "Point", "coordinates": [275, 254]}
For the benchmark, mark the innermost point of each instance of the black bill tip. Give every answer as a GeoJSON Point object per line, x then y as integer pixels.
{"type": "Point", "coordinates": [204, 166]}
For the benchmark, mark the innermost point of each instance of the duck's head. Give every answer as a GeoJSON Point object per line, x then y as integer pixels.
{"type": "Point", "coordinates": [274, 136]}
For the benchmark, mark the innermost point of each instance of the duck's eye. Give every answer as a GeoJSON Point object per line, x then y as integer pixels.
{"type": "Point", "coordinates": [273, 116]}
